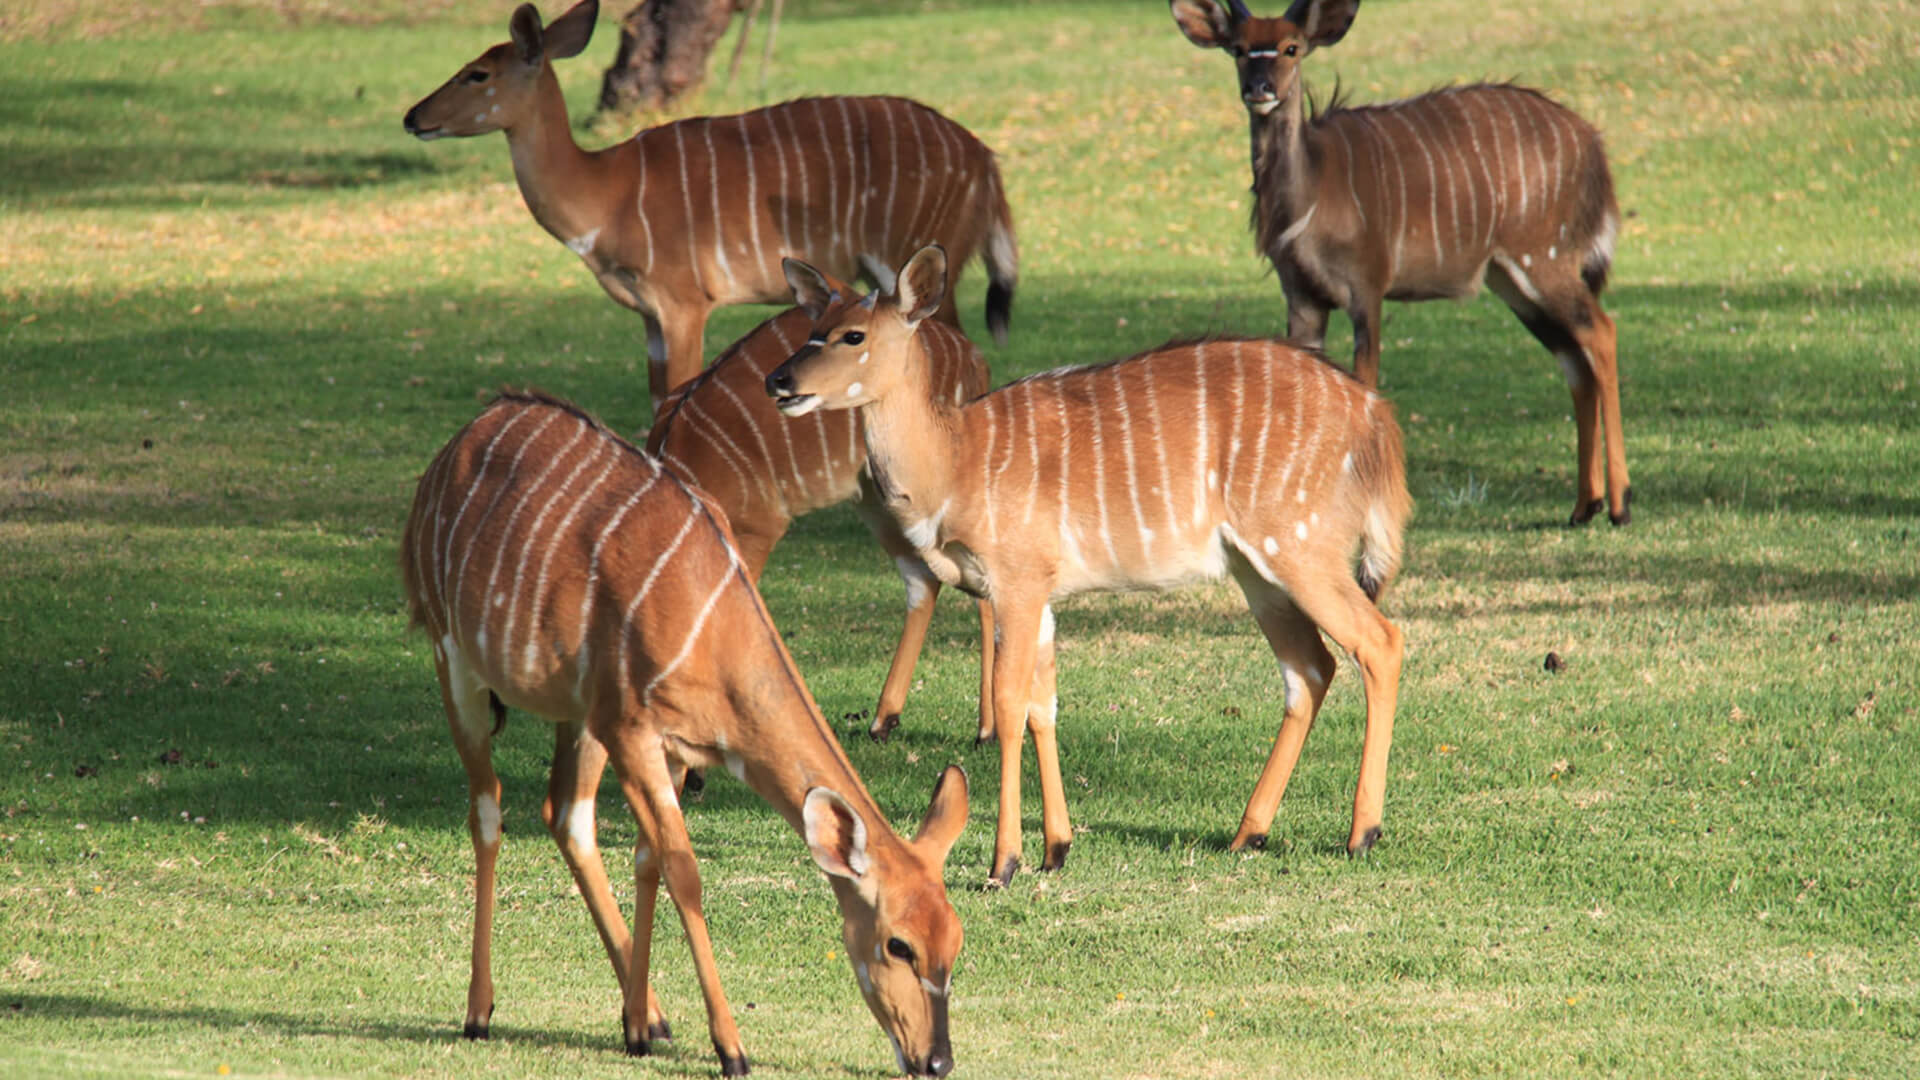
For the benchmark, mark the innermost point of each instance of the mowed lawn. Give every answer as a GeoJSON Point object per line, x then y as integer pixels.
{"type": "Point", "coordinates": [240, 309]}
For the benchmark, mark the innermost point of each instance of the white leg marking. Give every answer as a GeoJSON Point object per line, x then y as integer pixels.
{"type": "Point", "coordinates": [487, 812]}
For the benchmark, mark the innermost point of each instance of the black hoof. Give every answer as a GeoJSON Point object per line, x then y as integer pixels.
{"type": "Point", "coordinates": [882, 729]}
{"type": "Point", "coordinates": [730, 1065]}
{"type": "Point", "coordinates": [1056, 856]}
{"type": "Point", "coordinates": [639, 1048]}
{"type": "Point", "coordinates": [1256, 842]}
{"type": "Point", "coordinates": [1584, 514]}
{"type": "Point", "coordinates": [475, 1029]}
{"type": "Point", "coordinates": [661, 1030]}
{"type": "Point", "coordinates": [1626, 509]}
{"type": "Point", "coordinates": [1367, 840]}
{"type": "Point", "coordinates": [694, 785]}
{"type": "Point", "coordinates": [1004, 876]}
{"type": "Point", "coordinates": [982, 738]}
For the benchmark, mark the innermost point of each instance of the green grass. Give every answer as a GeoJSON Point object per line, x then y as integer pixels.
{"type": "Point", "coordinates": [239, 310]}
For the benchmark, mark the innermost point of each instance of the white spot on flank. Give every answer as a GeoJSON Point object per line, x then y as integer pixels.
{"type": "Point", "coordinates": [582, 244]}
{"type": "Point", "coordinates": [499, 599]}
{"type": "Point", "coordinates": [486, 813]}
{"type": "Point", "coordinates": [854, 390]}
{"type": "Point", "coordinates": [492, 89]}
{"type": "Point", "coordinates": [479, 118]}
{"type": "Point", "coordinates": [1301, 495]}
{"type": "Point", "coordinates": [1552, 251]}
{"type": "Point", "coordinates": [1313, 519]}
{"type": "Point", "coordinates": [1300, 530]}
{"type": "Point", "coordinates": [1272, 546]}
{"type": "Point", "coordinates": [1526, 261]}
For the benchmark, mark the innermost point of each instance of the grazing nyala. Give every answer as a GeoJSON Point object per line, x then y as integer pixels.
{"type": "Point", "coordinates": [1183, 464]}
{"type": "Point", "coordinates": [696, 214]}
{"type": "Point", "coordinates": [1425, 198]}
{"type": "Point", "coordinates": [721, 431]}
{"type": "Point", "coordinates": [560, 570]}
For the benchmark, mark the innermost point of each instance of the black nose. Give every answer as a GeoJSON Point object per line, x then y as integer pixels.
{"type": "Point", "coordinates": [780, 382]}
{"type": "Point", "coordinates": [939, 1064]}
{"type": "Point", "coordinates": [410, 123]}
{"type": "Point", "coordinates": [1258, 88]}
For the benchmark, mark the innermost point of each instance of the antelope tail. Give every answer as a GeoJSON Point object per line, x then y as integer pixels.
{"type": "Point", "coordinates": [1002, 257]}
{"type": "Point", "coordinates": [1379, 470]}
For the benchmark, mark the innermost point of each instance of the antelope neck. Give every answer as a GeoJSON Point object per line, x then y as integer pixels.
{"type": "Point", "coordinates": [912, 442]}
{"type": "Point", "coordinates": [1281, 181]}
{"type": "Point", "coordinates": [557, 178]}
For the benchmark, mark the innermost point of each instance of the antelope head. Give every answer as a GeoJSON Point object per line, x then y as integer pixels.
{"type": "Point", "coordinates": [901, 932]}
{"type": "Point", "coordinates": [1267, 52]}
{"type": "Point", "coordinates": [855, 353]}
{"type": "Point", "coordinates": [496, 88]}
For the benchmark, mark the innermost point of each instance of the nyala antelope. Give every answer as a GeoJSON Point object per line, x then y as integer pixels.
{"type": "Point", "coordinates": [559, 570]}
{"type": "Point", "coordinates": [1183, 464]}
{"type": "Point", "coordinates": [721, 431]}
{"type": "Point", "coordinates": [1424, 198]}
{"type": "Point", "coordinates": [696, 214]}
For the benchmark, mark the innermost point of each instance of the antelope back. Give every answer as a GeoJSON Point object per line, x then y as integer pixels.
{"type": "Point", "coordinates": [569, 571]}
{"type": "Point", "coordinates": [1145, 470]}
{"type": "Point", "coordinates": [721, 431]}
{"type": "Point", "coordinates": [1440, 183]}
{"type": "Point", "coordinates": [836, 178]}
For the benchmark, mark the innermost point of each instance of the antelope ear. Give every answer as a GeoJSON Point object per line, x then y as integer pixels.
{"type": "Point", "coordinates": [524, 27]}
{"type": "Point", "coordinates": [946, 815]}
{"type": "Point", "coordinates": [1323, 22]}
{"type": "Point", "coordinates": [812, 290]}
{"type": "Point", "coordinates": [835, 834]}
{"type": "Point", "coordinates": [1205, 22]}
{"type": "Point", "coordinates": [923, 283]}
{"type": "Point", "coordinates": [570, 32]}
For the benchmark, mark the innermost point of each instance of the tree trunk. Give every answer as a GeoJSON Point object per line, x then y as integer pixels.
{"type": "Point", "coordinates": [664, 46]}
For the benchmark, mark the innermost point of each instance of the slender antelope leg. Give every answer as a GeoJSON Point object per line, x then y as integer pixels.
{"type": "Point", "coordinates": [657, 370]}
{"type": "Point", "coordinates": [649, 783]}
{"type": "Point", "coordinates": [1345, 614]}
{"type": "Point", "coordinates": [1365, 314]}
{"type": "Point", "coordinates": [466, 703]}
{"type": "Point", "coordinates": [1017, 626]}
{"type": "Point", "coordinates": [987, 730]}
{"type": "Point", "coordinates": [578, 761]}
{"type": "Point", "coordinates": [1307, 668]}
{"type": "Point", "coordinates": [923, 588]}
{"type": "Point", "coordinates": [1599, 343]}
{"type": "Point", "coordinates": [1306, 320]}
{"type": "Point", "coordinates": [1536, 300]}
{"type": "Point", "coordinates": [1043, 713]}
{"type": "Point", "coordinates": [686, 331]}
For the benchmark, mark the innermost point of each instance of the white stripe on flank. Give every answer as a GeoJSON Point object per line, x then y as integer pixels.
{"type": "Point", "coordinates": [686, 200]}
{"type": "Point", "coordinates": [700, 621]}
{"type": "Point", "coordinates": [526, 543]}
{"type": "Point", "coordinates": [1519, 157]}
{"type": "Point", "coordinates": [1352, 166]}
{"type": "Point", "coordinates": [1160, 457]}
{"type": "Point", "coordinates": [753, 208]}
{"type": "Point", "coordinates": [640, 595]}
{"type": "Point", "coordinates": [1433, 181]}
{"type": "Point", "coordinates": [1033, 454]}
{"type": "Point", "coordinates": [893, 176]}
{"type": "Point", "coordinates": [713, 185]}
{"type": "Point", "coordinates": [1203, 447]}
{"type": "Point", "coordinates": [501, 487]}
{"type": "Point", "coordinates": [1486, 175]}
{"type": "Point", "coordinates": [762, 465]}
{"type": "Point", "coordinates": [1066, 460]}
{"type": "Point", "coordinates": [715, 435]}
{"type": "Point", "coordinates": [563, 528]}
{"type": "Point", "coordinates": [1099, 457]}
{"type": "Point", "coordinates": [588, 592]}
{"type": "Point", "coordinates": [853, 177]}
{"type": "Point", "coordinates": [479, 477]}
{"type": "Point", "coordinates": [1133, 471]}
{"type": "Point", "coordinates": [1264, 357]}
{"type": "Point", "coordinates": [919, 203]}
{"type": "Point", "coordinates": [1233, 428]}
{"type": "Point", "coordinates": [640, 209]}
{"type": "Point", "coordinates": [986, 465]}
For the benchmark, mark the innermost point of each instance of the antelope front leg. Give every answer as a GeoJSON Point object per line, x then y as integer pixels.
{"type": "Point", "coordinates": [1365, 314]}
{"type": "Point", "coordinates": [1017, 632]}
{"type": "Point", "coordinates": [675, 337]}
{"type": "Point", "coordinates": [922, 590]}
{"type": "Point", "coordinates": [986, 732]}
{"type": "Point", "coordinates": [650, 784]}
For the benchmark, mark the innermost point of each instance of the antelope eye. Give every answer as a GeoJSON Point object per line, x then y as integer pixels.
{"type": "Point", "coordinates": [855, 337]}
{"type": "Point", "coordinates": [1293, 50]}
{"type": "Point", "coordinates": [899, 950]}
{"type": "Point", "coordinates": [475, 76]}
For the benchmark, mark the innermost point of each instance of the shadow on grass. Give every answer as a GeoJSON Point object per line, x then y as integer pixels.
{"type": "Point", "coordinates": [177, 134]}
